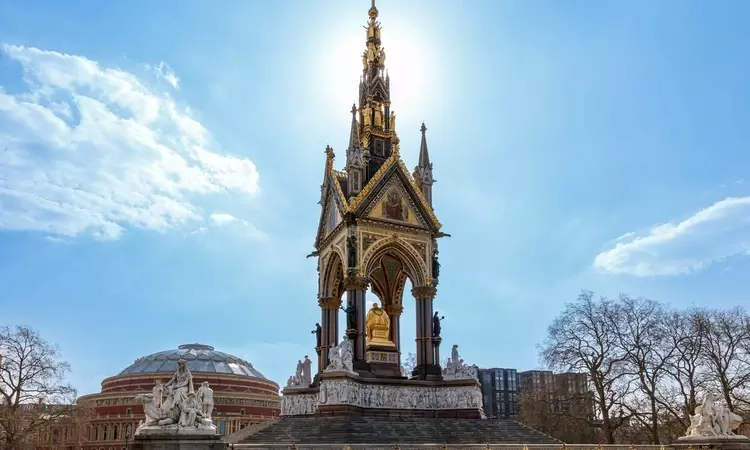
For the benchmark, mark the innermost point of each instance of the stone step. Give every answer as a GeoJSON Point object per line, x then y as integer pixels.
{"type": "Point", "coordinates": [370, 430]}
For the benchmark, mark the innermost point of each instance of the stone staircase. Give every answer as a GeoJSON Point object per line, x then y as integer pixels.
{"type": "Point", "coordinates": [392, 431]}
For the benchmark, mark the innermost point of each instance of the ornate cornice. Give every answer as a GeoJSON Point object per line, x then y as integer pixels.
{"type": "Point", "coordinates": [387, 228]}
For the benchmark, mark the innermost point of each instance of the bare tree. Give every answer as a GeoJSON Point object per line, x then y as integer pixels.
{"type": "Point", "coordinates": [33, 389]}
{"type": "Point", "coordinates": [685, 372]}
{"type": "Point", "coordinates": [725, 335]}
{"type": "Point", "coordinates": [639, 327]}
{"type": "Point", "coordinates": [582, 339]}
{"type": "Point", "coordinates": [409, 363]}
{"type": "Point", "coordinates": [558, 412]}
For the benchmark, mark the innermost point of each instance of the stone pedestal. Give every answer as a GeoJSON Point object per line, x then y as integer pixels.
{"type": "Point", "coordinates": [177, 442]}
{"type": "Point", "coordinates": [383, 361]}
{"type": "Point", "coordinates": [737, 442]}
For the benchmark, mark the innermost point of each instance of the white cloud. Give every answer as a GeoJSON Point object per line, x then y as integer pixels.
{"type": "Point", "coordinates": [91, 150]}
{"type": "Point", "coordinates": [167, 74]}
{"type": "Point", "coordinates": [248, 229]}
{"type": "Point", "coordinates": [57, 240]}
{"type": "Point", "coordinates": [713, 234]}
{"type": "Point", "coordinates": [221, 219]}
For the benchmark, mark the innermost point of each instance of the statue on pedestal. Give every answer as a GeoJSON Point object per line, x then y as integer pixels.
{"type": "Point", "coordinates": [713, 420]}
{"type": "Point", "coordinates": [351, 316]}
{"type": "Point", "coordinates": [378, 115]}
{"type": "Point", "coordinates": [377, 327]}
{"type": "Point", "coordinates": [367, 115]}
{"type": "Point", "coordinates": [318, 332]}
{"type": "Point", "coordinates": [181, 411]}
{"type": "Point", "coordinates": [436, 328]}
{"type": "Point", "coordinates": [341, 357]}
{"type": "Point", "coordinates": [307, 371]}
{"type": "Point", "coordinates": [351, 243]}
{"type": "Point", "coordinates": [456, 369]}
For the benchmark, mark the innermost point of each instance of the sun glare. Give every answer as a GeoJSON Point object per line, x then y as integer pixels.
{"type": "Point", "coordinates": [408, 63]}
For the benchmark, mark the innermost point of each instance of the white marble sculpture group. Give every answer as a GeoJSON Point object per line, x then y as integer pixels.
{"type": "Point", "coordinates": [713, 419]}
{"type": "Point", "coordinates": [455, 369]}
{"type": "Point", "coordinates": [341, 357]}
{"type": "Point", "coordinates": [177, 407]}
{"type": "Point", "coordinates": [302, 377]}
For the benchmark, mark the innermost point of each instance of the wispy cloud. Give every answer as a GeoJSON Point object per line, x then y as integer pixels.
{"type": "Point", "coordinates": [167, 74]}
{"type": "Point", "coordinates": [92, 150]}
{"type": "Point", "coordinates": [57, 240]}
{"type": "Point", "coordinates": [713, 234]}
{"type": "Point", "coordinates": [221, 219]}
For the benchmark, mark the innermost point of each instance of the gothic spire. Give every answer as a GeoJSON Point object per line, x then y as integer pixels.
{"type": "Point", "coordinates": [423, 170]}
{"type": "Point", "coordinates": [354, 139]}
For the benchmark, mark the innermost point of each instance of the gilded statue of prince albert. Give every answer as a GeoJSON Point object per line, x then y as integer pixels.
{"type": "Point", "coordinates": [377, 327]}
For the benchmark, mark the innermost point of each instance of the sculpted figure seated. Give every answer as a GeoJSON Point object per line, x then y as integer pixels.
{"type": "Point", "coordinates": [377, 327]}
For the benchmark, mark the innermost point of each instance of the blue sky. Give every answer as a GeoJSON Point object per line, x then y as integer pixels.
{"type": "Point", "coordinates": [160, 165]}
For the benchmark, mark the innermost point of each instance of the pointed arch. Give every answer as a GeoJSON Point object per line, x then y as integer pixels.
{"type": "Point", "coordinates": [412, 264]}
{"type": "Point", "coordinates": [333, 275]}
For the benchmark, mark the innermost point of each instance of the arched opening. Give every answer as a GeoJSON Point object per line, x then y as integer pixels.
{"type": "Point", "coordinates": [393, 270]}
{"type": "Point", "coordinates": [331, 289]}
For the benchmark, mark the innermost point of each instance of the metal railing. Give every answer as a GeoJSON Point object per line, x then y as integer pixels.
{"type": "Point", "coordinates": [448, 447]}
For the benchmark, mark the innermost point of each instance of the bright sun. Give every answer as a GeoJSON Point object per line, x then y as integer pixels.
{"type": "Point", "coordinates": [407, 62]}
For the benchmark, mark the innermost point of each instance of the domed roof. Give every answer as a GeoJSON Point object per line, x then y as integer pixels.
{"type": "Point", "coordinates": [200, 358]}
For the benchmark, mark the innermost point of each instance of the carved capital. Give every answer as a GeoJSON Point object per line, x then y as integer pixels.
{"type": "Point", "coordinates": [355, 283]}
{"type": "Point", "coordinates": [424, 292]}
{"type": "Point", "coordinates": [323, 301]}
{"type": "Point", "coordinates": [329, 302]}
{"type": "Point", "coordinates": [393, 310]}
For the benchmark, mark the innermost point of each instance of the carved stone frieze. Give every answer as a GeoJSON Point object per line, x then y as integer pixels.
{"type": "Point", "coordinates": [299, 404]}
{"type": "Point", "coordinates": [379, 227]}
{"type": "Point", "coordinates": [381, 357]}
{"type": "Point", "coordinates": [349, 392]}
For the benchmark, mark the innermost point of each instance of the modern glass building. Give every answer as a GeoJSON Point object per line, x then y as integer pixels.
{"type": "Point", "coordinates": [499, 392]}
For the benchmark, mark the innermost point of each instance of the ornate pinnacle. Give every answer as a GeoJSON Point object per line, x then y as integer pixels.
{"type": "Point", "coordinates": [373, 12]}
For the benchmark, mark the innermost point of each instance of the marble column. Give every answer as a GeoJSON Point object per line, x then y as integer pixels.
{"type": "Point", "coordinates": [329, 322]}
{"type": "Point", "coordinates": [355, 296]}
{"type": "Point", "coordinates": [423, 296]}
{"type": "Point", "coordinates": [394, 314]}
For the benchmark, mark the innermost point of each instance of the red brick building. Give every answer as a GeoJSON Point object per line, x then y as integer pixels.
{"type": "Point", "coordinates": [242, 395]}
